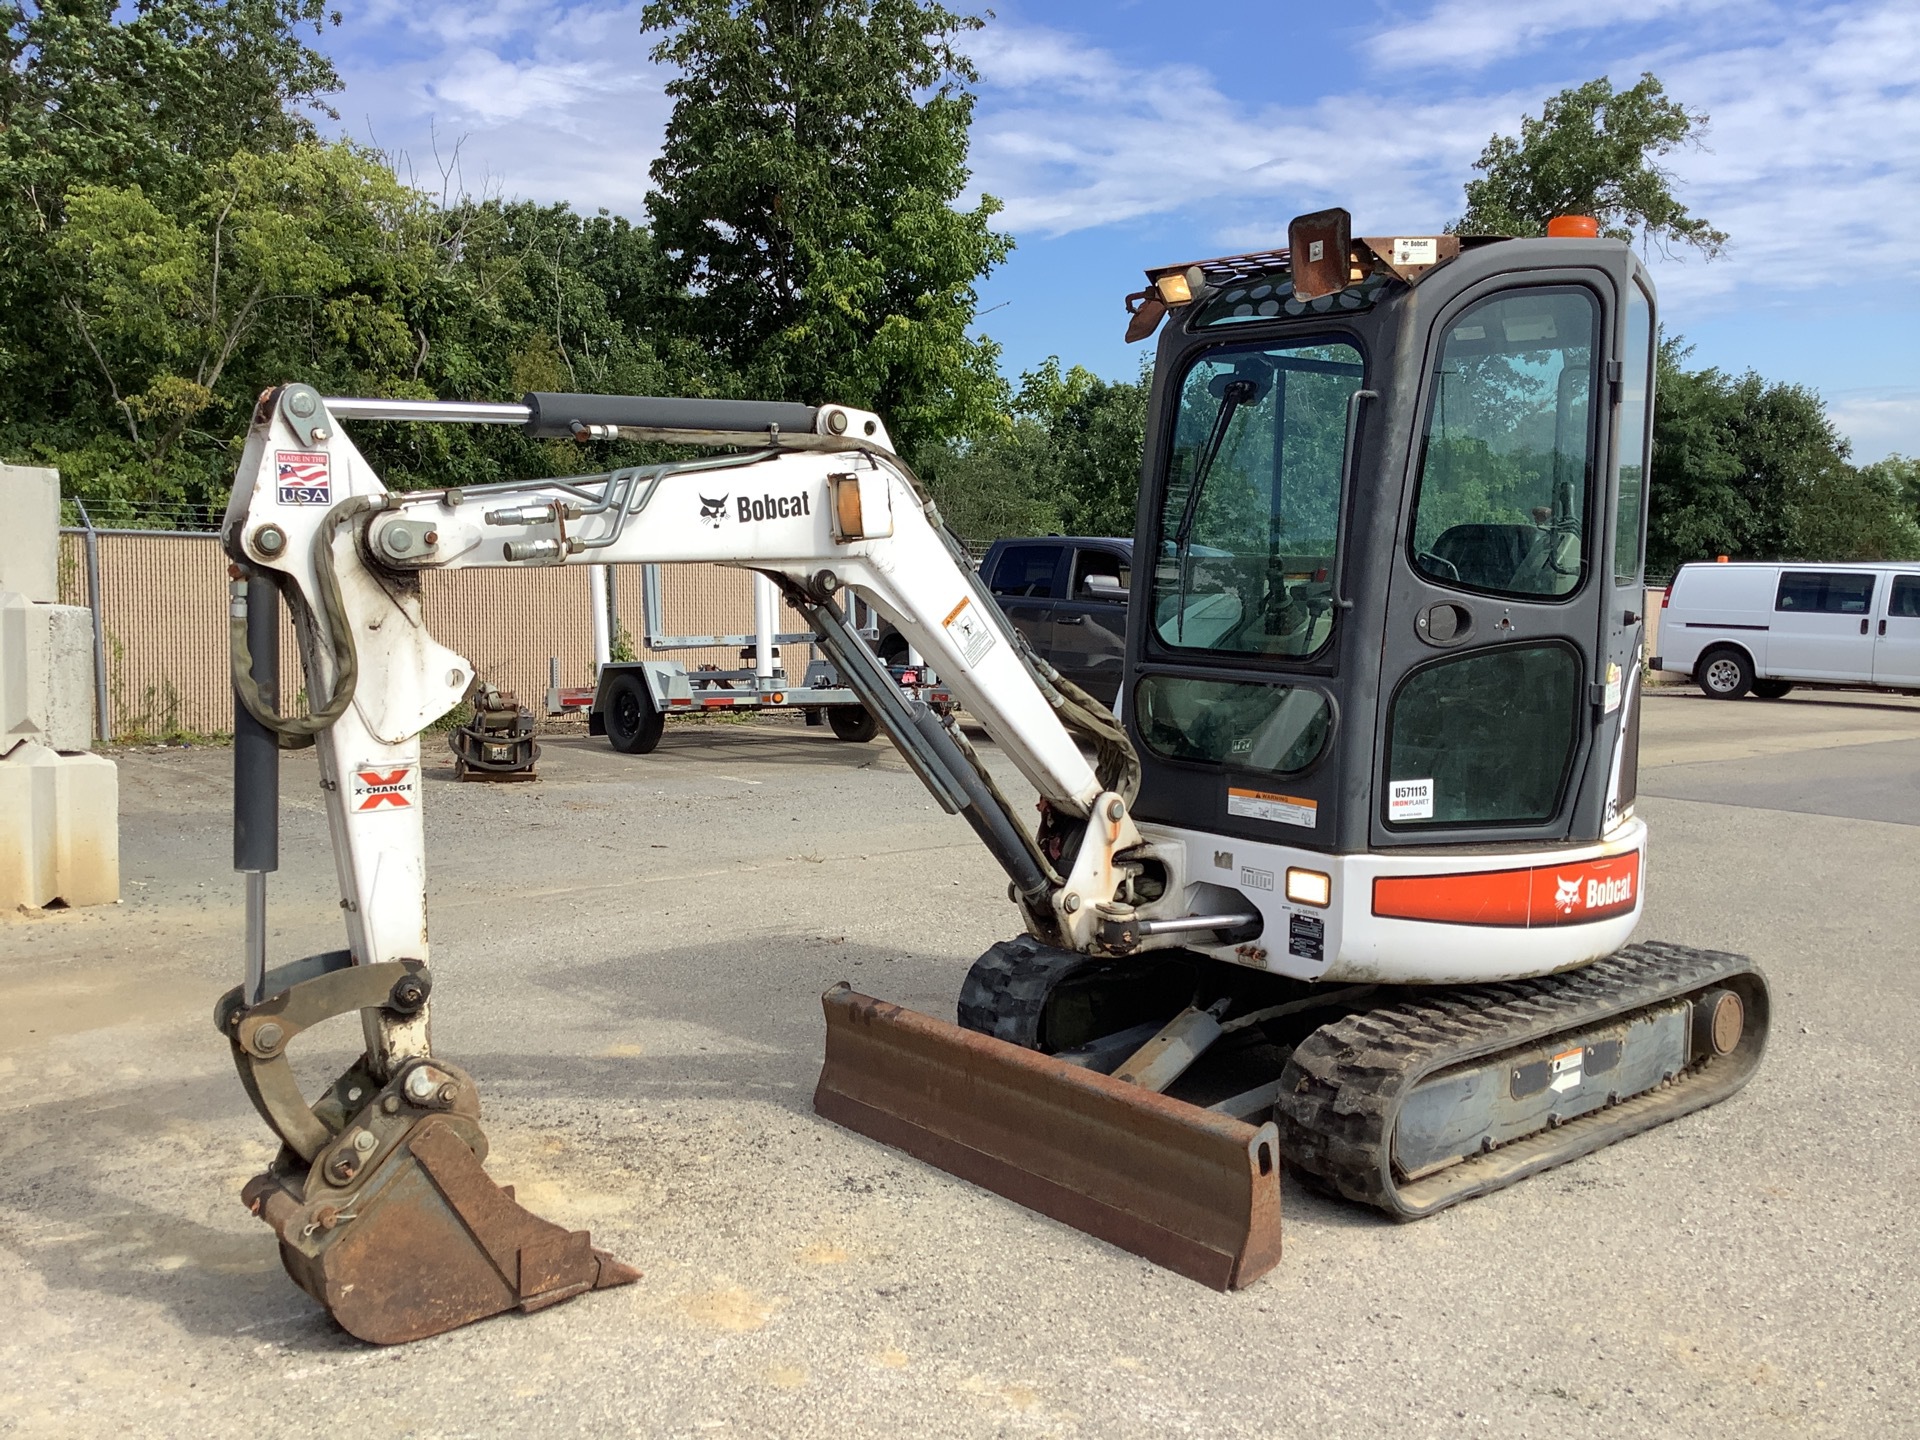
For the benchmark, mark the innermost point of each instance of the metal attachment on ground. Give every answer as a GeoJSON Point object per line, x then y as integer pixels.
{"type": "Point", "coordinates": [385, 1213]}
{"type": "Point", "coordinates": [497, 743]}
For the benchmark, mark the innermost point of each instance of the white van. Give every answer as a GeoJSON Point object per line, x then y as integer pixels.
{"type": "Point", "coordinates": [1766, 628]}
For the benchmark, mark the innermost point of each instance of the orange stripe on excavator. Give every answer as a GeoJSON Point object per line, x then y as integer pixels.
{"type": "Point", "coordinates": [1540, 895]}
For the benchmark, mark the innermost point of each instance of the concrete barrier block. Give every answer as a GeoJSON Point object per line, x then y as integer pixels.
{"type": "Point", "coordinates": [59, 828]}
{"type": "Point", "coordinates": [30, 532]}
{"type": "Point", "coordinates": [46, 674]}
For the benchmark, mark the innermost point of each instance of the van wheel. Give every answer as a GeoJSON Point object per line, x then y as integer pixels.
{"type": "Point", "coordinates": [633, 725]}
{"type": "Point", "coordinates": [853, 723]}
{"type": "Point", "coordinates": [1724, 674]}
{"type": "Point", "coordinates": [1772, 689]}
{"type": "Point", "coordinates": [893, 650]}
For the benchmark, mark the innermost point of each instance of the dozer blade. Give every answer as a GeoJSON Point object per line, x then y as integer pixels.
{"type": "Point", "coordinates": [427, 1243]}
{"type": "Point", "coordinates": [1190, 1189]}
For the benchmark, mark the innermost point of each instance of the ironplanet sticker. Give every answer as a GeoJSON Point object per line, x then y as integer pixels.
{"type": "Point", "coordinates": [1280, 809]}
{"type": "Point", "coordinates": [378, 786]}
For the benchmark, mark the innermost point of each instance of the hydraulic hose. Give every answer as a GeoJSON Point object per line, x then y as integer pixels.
{"type": "Point", "coordinates": [336, 633]}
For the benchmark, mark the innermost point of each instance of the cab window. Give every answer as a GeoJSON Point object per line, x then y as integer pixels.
{"type": "Point", "coordinates": [1824, 592]}
{"type": "Point", "coordinates": [1508, 459]}
{"type": "Point", "coordinates": [1250, 524]}
{"type": "Point", "coordinates": [1026, 571]}
{"type": "Point", "coordinates": [1483, 739]}
{"type": "Point", "coordinates": [1245, 725]}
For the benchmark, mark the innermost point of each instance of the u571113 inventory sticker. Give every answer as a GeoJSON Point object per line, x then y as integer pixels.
{"type": "Point", "coordinates": [379, 786]}
{"type": "Point", "coordinates": [304, 477]}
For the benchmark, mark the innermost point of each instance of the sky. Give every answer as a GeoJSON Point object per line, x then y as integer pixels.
{"type": "Point", "coordinates": [1144, 132]}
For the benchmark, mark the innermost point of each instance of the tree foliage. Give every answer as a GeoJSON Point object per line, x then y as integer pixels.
{"type": "Point", "coordinates": [1064, 458]}
{"type": "Point", "coordinates": [1591, 151]}
{"type": "Point", "coordinates": [1753, 468]}
{"type": "Point", "coordinates": [804, 205]}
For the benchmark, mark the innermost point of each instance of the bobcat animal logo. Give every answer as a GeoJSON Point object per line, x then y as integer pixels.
{"type": "Point", "coordinates": [713, 511]}
{"type": "Point", "coordinates": [1566, 894]}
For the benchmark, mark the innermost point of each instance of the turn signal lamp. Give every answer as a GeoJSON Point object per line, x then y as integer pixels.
{"type": "Point", "coordinates": [1573, 227]}
{"type": "Point", "coordinates": [1309, 887]}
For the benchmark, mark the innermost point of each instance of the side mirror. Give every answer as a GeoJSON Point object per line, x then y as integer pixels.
{"type": "Point", "coordinates": [1104, 587]}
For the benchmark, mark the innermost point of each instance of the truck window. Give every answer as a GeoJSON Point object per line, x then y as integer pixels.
{"type": "Point", "coordinates": [1026, 571]}
{"type": "Point", "coordinates": [1508, 458]}
{"type": "Point", "coordinates": [1101, 575]}
{"type": "Point", "coordinates": [1824, 592]}
{"type": "Point", "coordinates": [1904, 602]}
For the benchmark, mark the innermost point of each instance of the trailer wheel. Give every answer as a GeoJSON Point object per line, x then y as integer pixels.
{"type": "Point", "coordinates": [853, 723]}
{"type": "Point", "coordinates": [633, 725]}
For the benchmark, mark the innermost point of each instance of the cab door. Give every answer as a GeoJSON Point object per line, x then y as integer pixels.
{"type": "Point", "coordinates": [1508, 643]}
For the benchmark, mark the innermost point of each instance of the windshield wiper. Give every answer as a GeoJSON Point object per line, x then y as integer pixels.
{"type": "Point", "coordinates": [1236, 393]}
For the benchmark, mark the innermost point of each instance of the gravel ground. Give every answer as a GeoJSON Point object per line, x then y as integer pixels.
{"type": "Point", "coordinates": [630, 955]}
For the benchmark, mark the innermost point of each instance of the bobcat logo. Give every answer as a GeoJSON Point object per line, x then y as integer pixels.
{"type": "Point", "coordinates": [713, 511]}
{"type": "Point", "coordinates": [1566, 894]}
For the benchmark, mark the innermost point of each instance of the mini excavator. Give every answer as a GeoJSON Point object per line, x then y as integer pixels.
{"type": "Point", "coordinates": [1347, 885]}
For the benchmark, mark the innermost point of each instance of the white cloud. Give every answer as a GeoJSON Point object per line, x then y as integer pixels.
{"type": "Point", "coordinates": [542, 99]}
{"type": "Point", "coordinates": [1879, 422]}
{"type": "Point", "coordinates": [1468, 34]}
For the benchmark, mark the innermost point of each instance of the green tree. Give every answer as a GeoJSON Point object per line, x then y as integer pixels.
{"type": "Point", "coordinates": [1753, 468]}
{"type": "Point", "coordinates": [1592, 151]}
{"type": "Point", "coordinates": [804, 206]}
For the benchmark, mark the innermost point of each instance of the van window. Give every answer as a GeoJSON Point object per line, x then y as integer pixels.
{"type": "Point", "coordinates": [1026, 570]}
{"type": "Point", "coordinates": [1508, 456]}
{"type": "Point", "coordinates": [1904, 602]}
{"type": "Point", "coordinates": [1824, 592]}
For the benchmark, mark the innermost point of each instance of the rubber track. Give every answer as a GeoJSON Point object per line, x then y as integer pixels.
{"type": "Point", "coordinates": [1005, 993]}
{"type": "Point", "coordinates": [1340, 1092]}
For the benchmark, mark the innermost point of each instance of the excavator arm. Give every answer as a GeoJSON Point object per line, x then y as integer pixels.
{"type": "Point", "coordinates": [378, 1196]}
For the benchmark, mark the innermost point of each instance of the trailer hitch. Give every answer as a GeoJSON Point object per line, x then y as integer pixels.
{"type": "Point", "coordinates": [379, 1194]}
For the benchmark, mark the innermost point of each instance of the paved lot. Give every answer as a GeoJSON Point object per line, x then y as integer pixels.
{"type": "Point", "coordinates": [630, 956]}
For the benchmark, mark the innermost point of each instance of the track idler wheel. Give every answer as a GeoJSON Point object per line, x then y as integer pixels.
{"type": "Point", "coordinates": [383, 1206]}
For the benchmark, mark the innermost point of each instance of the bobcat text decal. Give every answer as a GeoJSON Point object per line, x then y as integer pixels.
{"type": "Point", "coordinates": [1537, 896]}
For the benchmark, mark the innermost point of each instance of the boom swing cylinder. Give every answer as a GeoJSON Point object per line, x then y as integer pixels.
{"type": "Point", "coordinates": [1347, 882]}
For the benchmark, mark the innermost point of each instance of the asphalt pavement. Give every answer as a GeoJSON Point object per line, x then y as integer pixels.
{"type": "Point", "coordinates": [629, 957]}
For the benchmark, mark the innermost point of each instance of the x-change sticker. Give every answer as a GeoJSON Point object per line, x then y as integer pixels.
{"type": "Point", "coordinates": [969, 631]}
{"type": "Point", "coordinates": [383, 787]}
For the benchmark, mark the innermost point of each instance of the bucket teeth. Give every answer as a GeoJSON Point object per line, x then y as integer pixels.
{"type": "Point", "coordinates": [426, 1242]}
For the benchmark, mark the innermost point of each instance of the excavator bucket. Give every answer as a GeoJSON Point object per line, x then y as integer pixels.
{"type": "Point", "coordinates": [380, 1194]}
{"type": "Point", "coordinates": [429, 1243]}
{"type": "Point", "coordinates": [1187, 1188]}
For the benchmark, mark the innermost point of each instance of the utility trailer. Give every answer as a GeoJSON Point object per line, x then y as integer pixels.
{"type": "Point", "coordinates": [632, 699]}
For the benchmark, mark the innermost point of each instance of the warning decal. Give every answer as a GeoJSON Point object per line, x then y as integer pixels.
{"type": "Point", "coordinates": [383, 787]}
{"type": "Point", "coordinates": [1281, 809]}
{"type": "Point", "coordinates": [970, 633]}
{"type": "Point", "coordinates": [304, 477]}
{"type": "Point", "coordinates": [1568, 1066]}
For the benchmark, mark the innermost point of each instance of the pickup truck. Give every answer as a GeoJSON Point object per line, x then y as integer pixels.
{"type": "Point", "coordinates": [1067, 594]}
